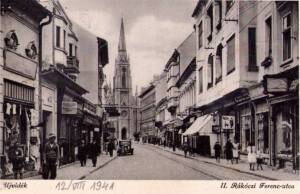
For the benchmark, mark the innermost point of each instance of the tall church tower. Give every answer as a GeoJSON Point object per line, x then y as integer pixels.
{"type": "Point", "coordinates": [123, 89]}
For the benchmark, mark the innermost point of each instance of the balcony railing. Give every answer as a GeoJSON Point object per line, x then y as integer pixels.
{"type": "Point", "coordinates": [72, 65]}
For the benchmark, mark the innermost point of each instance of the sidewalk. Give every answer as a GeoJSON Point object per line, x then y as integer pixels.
{"type": "Point", "coordinates": [74, 171]}
{"type": "Point", "coordinates": [242, 167]}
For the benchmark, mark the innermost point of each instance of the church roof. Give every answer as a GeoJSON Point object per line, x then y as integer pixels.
{"type": "Point", "coordinates": [122, 43]}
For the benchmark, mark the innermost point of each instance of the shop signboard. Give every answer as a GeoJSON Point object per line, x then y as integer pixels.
{"type": "Point", "coordinates": [276, 85]}
{"type": "Point", "coordinates": [96, 129]}
{"type": "Point", "coordinates": [228, 122]}
{"type": "Point", "coordinates": [69, 107]}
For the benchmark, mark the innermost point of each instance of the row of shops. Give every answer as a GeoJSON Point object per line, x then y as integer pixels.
{"type": "Point", "coordinates": [262, 114]}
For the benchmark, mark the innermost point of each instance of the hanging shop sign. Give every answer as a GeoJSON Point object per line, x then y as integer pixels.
{"type": "Point", "coordinates": [216, 120]}
{"type": "Point", "coordinates": [228, 122]}
{"type": "Point", "coordinates": [69, 107]}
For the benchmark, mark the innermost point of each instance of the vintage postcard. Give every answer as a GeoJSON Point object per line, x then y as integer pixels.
{"type": "Point", "coordinates": [149, 96]}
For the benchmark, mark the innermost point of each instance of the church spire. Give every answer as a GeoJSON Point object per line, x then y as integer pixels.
{"type": "Point", "coordinates": [122, 44]}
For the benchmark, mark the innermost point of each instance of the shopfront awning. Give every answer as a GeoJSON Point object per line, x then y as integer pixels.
{"type": "Point", "coordinates": [201, 125]}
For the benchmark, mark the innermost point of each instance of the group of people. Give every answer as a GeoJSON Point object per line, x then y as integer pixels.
{"type": "Point", "coordinates": [187, 149]}
{"type": "Point", "coordinates": [232, 153]}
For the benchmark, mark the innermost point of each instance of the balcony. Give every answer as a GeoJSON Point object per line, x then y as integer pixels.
{"type": "Point", "coordinates": [72, 65]}
{"type": "Point", "coordinates": [172, 105]}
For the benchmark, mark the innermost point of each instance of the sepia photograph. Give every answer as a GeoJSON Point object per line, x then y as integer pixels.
{"type": "Point", "coordinates": [152, 90]}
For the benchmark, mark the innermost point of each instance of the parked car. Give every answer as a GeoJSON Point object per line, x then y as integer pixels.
{"type": "Point", "coordinates": [124, 147]}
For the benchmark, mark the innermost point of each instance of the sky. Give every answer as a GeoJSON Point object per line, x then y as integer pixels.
{"type": "Point", "coordinates": [153, 29]}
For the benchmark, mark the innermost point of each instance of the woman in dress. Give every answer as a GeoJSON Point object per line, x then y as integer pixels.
{"type": "Point", "coordinates": [251, 156]}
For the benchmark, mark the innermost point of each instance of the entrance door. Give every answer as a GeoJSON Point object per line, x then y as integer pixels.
{"type": "Point", "coordinates": [124, 133]}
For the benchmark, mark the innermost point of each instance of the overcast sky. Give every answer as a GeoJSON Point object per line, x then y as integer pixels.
{"type": "Point", "coordinates": [153, 29]}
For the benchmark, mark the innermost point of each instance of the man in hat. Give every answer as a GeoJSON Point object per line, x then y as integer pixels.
{"type": "Point", "coordinates": [51, 157]}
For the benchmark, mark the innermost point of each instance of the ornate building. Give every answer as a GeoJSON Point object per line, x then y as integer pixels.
{"type": "Point", "coordinates": [127, 104]}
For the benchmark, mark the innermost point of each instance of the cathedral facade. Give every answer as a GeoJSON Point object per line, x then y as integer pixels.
{"type": "Point", "coordinates": [128, 122]}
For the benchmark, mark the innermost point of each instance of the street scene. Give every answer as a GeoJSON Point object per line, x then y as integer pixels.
{"type": "Point", "coordinates": [141, 90]}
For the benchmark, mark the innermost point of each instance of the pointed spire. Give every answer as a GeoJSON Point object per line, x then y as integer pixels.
{"type": "Point", "coordinates": [122, 44]}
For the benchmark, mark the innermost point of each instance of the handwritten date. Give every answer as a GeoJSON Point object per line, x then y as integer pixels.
{"type": "Point", "coordinates": [84, 185]}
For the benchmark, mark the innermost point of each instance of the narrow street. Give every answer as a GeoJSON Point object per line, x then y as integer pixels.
{"type": "Point", "coordinates": [150, 163]}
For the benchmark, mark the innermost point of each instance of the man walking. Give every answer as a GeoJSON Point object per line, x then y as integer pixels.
{"type": "Point", "coordinates": [51, 157]}
{"type": "Point", "coordinates": [110, 148]}
{"type": "Point", "coordinates": [94, 152]}
{"type": "Point", "coordinates": [82, 152]}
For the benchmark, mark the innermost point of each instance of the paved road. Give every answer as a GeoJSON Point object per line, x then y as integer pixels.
{"type": "Point", "coordinates": [149, 163]}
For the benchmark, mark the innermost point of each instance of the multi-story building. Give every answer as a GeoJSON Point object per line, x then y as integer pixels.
{"type": "Point", "coordinates": [226, 67]}
{"type": "Point", "coordinates": [161, 105]}
{"type": "Point", "coordinates": [247, 76]}
{"type": "Point", "coordinates": [147, 109]}
{"type": "Point", "coordinates": [63, 104]}
{"type": "Point", "coordinates": [186, 83]}
{"type": "Point", "coordinates": [19, 79]}
{"type": "Point", "coordinates": [93, 52]}
{"type": "Point", "coordinates": [277, 126]}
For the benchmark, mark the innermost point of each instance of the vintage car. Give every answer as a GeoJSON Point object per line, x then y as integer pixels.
{"type": "Point", "coordinates": [124, 147]}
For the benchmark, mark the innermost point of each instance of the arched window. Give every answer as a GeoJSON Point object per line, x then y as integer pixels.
{"type": "Point", "coordinates": [123, 77]}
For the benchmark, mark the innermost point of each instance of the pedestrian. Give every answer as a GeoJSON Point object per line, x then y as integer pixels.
{"type": "Point", "coordinates": [251, 156]}
{"type": "Point", "coordinates": [82, 152]}
{"type": "Point", "coordinates": [110, 148]}
{"type": "Point", "coordinates": [17, 159]}
{"type": "Point", "coordinates": [165, 143]}
{"type": "Point", "coordinates": [185, 148]}
{"type": "Point", "coordinates": [93, 148]}
{"type": "Point", "coordinates": [259, 160]}
{"type": "Point", "coordinates": [228, 151]}
{"type": "Point", "coordinates": [174, 147]}
{"type": "Point", "coordinates": [51, 157]}
{"type": "Point", "coordinates": [235, 152]}
{"type": "Point", "coordinates": [217, 148]}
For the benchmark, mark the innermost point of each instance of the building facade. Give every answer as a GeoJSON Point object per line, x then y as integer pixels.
{"type": "Point", "coordinates": [124, 100]}
{"type": "Point", "coordinates": [147, 109]}
{"type": "Point", "coordinates": [19, 81]}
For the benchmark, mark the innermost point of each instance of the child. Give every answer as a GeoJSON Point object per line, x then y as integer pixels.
{"type": "Point", "coordinates": [251, 156]}
{"type": "Point", "coordinates": [259, 160]}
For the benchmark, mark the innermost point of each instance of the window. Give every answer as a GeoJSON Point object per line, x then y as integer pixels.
{"type": "Point", "coordinates": [231, 55]}
{"type": "Point", "coordinates": [287, 41]}
{"type": "Point", "coordinates": [268, 24]}
{"type": "Point", "coordinates": [75, 50]}
{"type": "Point", "coordinates": [218, 15]}
{"type": "Point", "coordinates": [210, 23]}
{"type": "Point", "coordinates": [252, 49]}
{"type": "Point", "coordinates": [200, 80]}
{"type": "Point", "coordinates": [200, 34]}
{"type": "Point", "coordinates": [70, 49]}
{"type": "Point", "coordinates": [219, 63]}
{"type": "Point", "coordinates": [58, 36]}
{"type": "Point", "coordinates": [210, 71]}
{"type": "Point", "coordinates": [123, 77]}
{"type": "Point", "coordinates": [64, 39]}
{"type": "Point", "coordinates": [228, 5]}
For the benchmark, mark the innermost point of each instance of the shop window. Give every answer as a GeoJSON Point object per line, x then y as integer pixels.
{"type": "Point", "coordinates": [286, 36]}
{"type": "Point", "coordinates": [58, 36]}
{"type": "Point", "coordinates": [263, 132]}
{"type": "Point", "coordinates": [210, 71]}
{"type": "Point", "coordinates": [64, 39]}
{"type": "Point", "coordinates": [231, 55]}
{"type": "Point", "coordinates": [219, 64]}
{"type": "Point", "coordinates": [252, 49]}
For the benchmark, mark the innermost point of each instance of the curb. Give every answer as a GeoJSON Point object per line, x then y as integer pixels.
{"type": "Point", "coordinates": [96, 169]}
{"type": "Point", "coordinates": [240, 171]}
